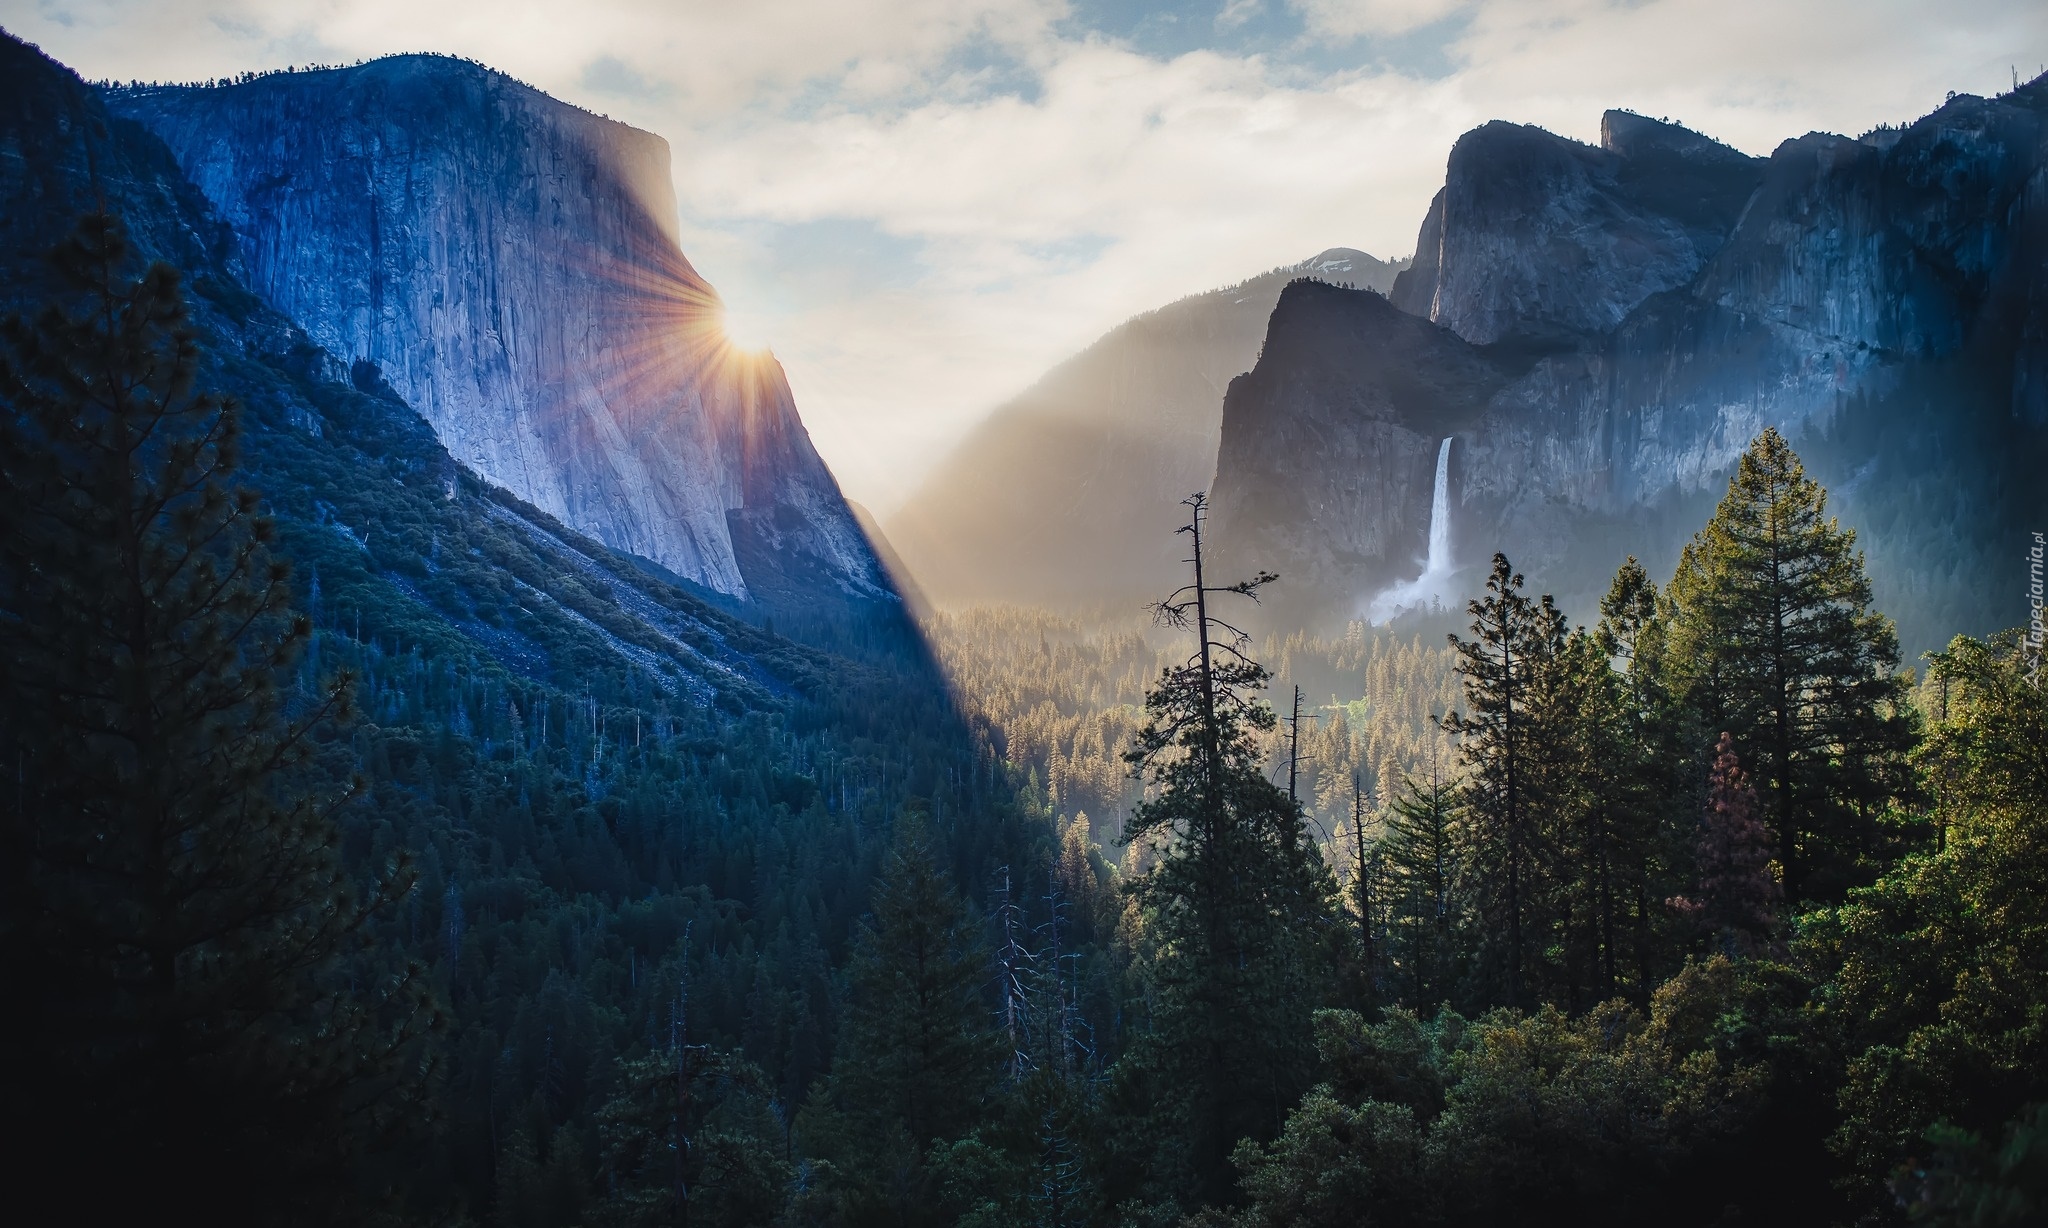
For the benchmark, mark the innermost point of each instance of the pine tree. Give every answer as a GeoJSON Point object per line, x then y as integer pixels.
{"type": "Point", "coordinates": [1515, 641]}
{"type": "Point", "coordinates": [916, 1042]}
{"type": "Point", "coordinates": [1576, 717]}
{"type": "Point", "coordinates": [1774, 640]}
{"type": "Point", "coordinates": [1370, 878]}
{"type": "Point", "coordinates": [174, 907]}
{"type": "Point", "coordinates": [1239, 908]}
{"type": "Point", "coordinates": [917, 1060]}
{"type": "Point", "coordinates": [1420, 853]}
{"type": "Point", "coordinates": [1737, 896]}
{"type": "Point", "coordinates": [1642, 763]}
{"type": "Point", "coordinates": [1941, 966]}
{"type": "Point", "coordinates": [732, 1171]}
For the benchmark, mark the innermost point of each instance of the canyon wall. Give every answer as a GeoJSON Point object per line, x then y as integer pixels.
{"type": "Point", "coordinates": [1650, 305]}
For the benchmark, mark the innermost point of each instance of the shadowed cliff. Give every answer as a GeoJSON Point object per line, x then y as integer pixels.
{"type": "Point", "coordinates": [1068, 495]}
{"type": "Point", "coordinates": [1658, 301]}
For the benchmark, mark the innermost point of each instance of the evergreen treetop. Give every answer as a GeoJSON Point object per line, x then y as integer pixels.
{"type": "Point", "coordinates": [1774, 640]}
{"type": "Point", "coordinates": [1238, 906]}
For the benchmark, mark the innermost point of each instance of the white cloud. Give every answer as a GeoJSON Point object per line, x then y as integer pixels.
{"type": "Point", "coordinates": [1346, 19]}
{"type": "Point", "coordinates": [1236, 13]}
{"type": "Point", "coordinates": [717, 56]}
{"type": "Point", "coordinates": [926, 203]}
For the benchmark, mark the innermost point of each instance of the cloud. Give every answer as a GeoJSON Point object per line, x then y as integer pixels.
{"type": "Point", "coordinates": [925, 204]}
{"type": "Point", "coordinates": [1349, 19]}
{"type": "Point", "coordinates": [716, 57]}
{"type": "Point", "coordinates": [1236, 13]}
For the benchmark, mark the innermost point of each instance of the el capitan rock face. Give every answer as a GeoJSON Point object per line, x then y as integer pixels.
{"type": "Point", "coordinates": [1652, 305]}
{"type": "Point", "coordinates": [509, 264]}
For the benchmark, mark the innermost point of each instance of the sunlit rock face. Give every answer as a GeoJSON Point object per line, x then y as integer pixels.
{"type": "Point", "coordinates": [510, 264]}
{"type": "Point", "coordinates": [1652, 304]}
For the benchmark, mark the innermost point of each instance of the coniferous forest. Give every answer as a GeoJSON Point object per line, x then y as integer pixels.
{"type": "Point", "coordinates": [382, 851]}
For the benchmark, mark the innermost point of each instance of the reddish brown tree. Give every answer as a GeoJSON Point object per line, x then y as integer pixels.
{"type": "Point", "coordinates": [1738, 891]}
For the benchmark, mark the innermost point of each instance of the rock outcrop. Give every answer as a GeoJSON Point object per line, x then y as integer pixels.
{"type": "Point", "coordinates": [1653, 304]}
{"type": "Point", "coordinates": [1536, 237]}
{"type": "Point", "coordinates": [1388, 388]}
{"type": "Point", "coordinates": [1068, 495]}
{"type": "Point", "coordinates": [510, 265]}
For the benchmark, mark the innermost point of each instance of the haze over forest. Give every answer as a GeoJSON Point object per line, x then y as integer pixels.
{"type": "Point", "coordinates": [1320, 612]}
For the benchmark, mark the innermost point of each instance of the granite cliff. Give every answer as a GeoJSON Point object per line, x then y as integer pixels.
{"type": "Point", "coordinates": [508, 264]}
{"type": "Point", "coordinates": [1647, 307]}
{"type": "Point", "coordinates": [399, 552]}
{"type": "Point", "coordinates": [1068, 495]}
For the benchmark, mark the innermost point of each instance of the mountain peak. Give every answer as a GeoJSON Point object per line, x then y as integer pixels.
{"type": "Point", "coordinates": [510, 264]}
{"type": "Point", "coordinates": [1629, 135]}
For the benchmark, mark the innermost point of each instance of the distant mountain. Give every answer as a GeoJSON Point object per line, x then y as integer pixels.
{"type": "Point", "coordinates": [1068, 495]}
{"type": "Point", "coordinates": [1600, 331]}
{"type": "Point", "coordinates": [509, 264]}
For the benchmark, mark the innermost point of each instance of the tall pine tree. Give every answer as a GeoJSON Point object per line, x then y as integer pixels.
{"type": "Point", "coordinates": [1515, 642]}
{"type": "Point", "coordinates": [1239, 909]}
{"type": "Point", "coordinates": [175, 914]}
{"type": "Point", "coordinates": [1774, 640]}
{"type": "Point", "coordinates": [1589, 836]}
{"type": "Point", "coordinates": [1420, 853]}
{"type": "Point", "coordinates": [918, 1059]}
{"type": "Point", "coordinates": [1641, 758]}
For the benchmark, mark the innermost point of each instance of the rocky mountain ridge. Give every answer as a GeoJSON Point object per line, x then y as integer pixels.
{"type": "Point", "coordinates": [1652, 304]}
{"type": "Point", "coordinates": [509, 265]}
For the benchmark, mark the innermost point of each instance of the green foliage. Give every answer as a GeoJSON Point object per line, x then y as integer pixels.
{"type": "Point", "coordinates": [917, 1061]}
{"type": "Point", "coordinates": [1419, 860]}
{"type": "Point", "coordinates": [1971, 1184]}
{"type": "Point", "coordinates": [1236, 907]}
{"type": "Point", "coordinates": [917, 1048]}
{"type": "Point", "coordinates": [733, 1172]}
{"type": "Point", "coordinates": [1536, 1118]}
{"type": "Point", "coordinates": [1064, 699]}
{"type": "Point", "coordinates": [1504, 664]}
{"type": "Point", "coordinates": [1940, 969]}
{"type": "Point", "coordinates": [1773, 641]}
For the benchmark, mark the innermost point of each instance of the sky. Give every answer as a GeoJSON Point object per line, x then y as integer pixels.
{"type": "Point", "coordinates": [923, 205]}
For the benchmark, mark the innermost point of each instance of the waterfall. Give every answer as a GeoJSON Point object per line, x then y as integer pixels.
{"type": "Point", "coordinates": [1439, 560]}
{"type": "Point", "coordinates": [1432, 586]}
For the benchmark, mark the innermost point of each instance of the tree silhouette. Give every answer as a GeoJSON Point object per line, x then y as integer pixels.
{"type": "Point", "coordinates": [175, 913]}
{"type": "Point", "coordinates": [1237, 905]}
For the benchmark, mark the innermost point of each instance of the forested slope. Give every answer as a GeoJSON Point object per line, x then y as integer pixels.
{"type": "Point", "coordinates": [609, 786]}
